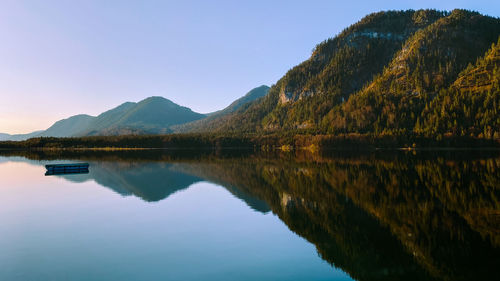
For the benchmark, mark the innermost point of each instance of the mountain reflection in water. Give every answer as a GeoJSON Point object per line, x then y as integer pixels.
{"type": "Point", "coordinates": [376, 216]}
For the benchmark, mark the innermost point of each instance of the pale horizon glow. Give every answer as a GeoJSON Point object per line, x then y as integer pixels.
{"type": "Point", "coordinates": [63, 58]}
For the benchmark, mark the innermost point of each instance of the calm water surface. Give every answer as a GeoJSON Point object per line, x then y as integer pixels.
{"type": "Point", "coordinates": [390, 216]}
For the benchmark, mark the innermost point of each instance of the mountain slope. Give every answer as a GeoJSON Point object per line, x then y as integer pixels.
{"type": "Point", "coordinates": [472, 104]}
{"type": "Point", "coordinates": [377, 76]}
{"type": "Point", "coordinates": [153, 115]}
{"type": "Point", "coordinates": [68, 127]}
{"type": "Point", "coordinates": [428, 62]}
{"type": "Point", "coordinates": [108, 118]}
{"type": "Point", "coordinates": [19, 137]}
{"type": "Point", "coordinates": [337, 68]}
{"type": "Point", "coordinates": [214, 119]}
{"type": "Point", "coordinates": [254, 94]}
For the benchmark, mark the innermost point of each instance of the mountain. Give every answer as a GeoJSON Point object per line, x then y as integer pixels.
{"type": "Point", "coordinates": [68, 127]}
{"type": "Point", "coordinates": [376, 76]}
{"type": "Point", "coordinates": [337, 68]}
{"type": "Point", "coordinates": [213, 119]}
{"type": "Point", "coordinates": [4, 136]}
{"type": "Point", "coordinates": [412, 73]}
{"type": "Point", "coordinates": [471, 105]}
{"type": "Point", "coordinates": [18, 137]}
{"type": "Point", "coordinates": [248, 97]}
{"type": "Point", "coordinates": [254, 94]}
{"type": "Point", "coordinates": [428, 62]}
{"type": "Point", "coordinates": [108, 118]}
{"type": "Point", "coordinates": [153, 115]}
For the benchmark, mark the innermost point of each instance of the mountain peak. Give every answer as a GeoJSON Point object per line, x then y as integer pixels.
{"type": "Point", "coordinates": [155, 98]}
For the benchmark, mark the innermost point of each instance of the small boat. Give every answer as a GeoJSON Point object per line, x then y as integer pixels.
{"type": "Point", "coordinates": [73, 168]}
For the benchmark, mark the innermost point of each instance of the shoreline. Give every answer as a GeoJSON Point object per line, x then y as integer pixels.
{"type": "Point", "coordinates": [271, 142]}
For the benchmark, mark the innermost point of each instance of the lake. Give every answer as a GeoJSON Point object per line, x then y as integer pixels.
{"type": "Point", "coordinates": [184, 215]}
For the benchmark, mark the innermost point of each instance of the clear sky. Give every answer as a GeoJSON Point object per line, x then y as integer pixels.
{"type": "Point", "coordinates": [61, 58]}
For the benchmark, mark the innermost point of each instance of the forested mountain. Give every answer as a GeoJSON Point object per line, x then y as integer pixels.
{"type": "Point", "coordinates": [428, 62]}
{"type": "Point", "coordinates": [377, 76]}
{"type": "Point", "coordinates": [472, 104]}
{"type": "Point", "coordinates": [153, 115]}
{"type": "Point", "coordinates": [207, 124]}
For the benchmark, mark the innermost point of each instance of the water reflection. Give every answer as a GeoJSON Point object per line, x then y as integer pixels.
{"type": "Point", "coordinates": [383, 216]}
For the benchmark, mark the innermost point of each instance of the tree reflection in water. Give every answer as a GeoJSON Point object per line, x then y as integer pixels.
{"type": "Point", "coordinates": [377, 216]}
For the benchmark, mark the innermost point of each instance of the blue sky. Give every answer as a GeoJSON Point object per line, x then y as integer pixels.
{"type": "Point", "coordinates": [61, 58]}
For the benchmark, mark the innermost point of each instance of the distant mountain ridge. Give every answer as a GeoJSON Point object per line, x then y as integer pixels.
{"type": "Point", "coordinates": [18, 137]}
{"type": "Point", "coordinates": [153, 115]}
{"type": "Point", "coordinates": [71, 126]}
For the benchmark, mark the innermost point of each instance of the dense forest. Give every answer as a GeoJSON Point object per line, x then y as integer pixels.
{"type": "Point", "coordinates": [471, 106]}
{"type": "Point", "coordinates": [254, 142]}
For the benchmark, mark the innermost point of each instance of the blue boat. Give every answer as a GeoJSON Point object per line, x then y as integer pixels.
{"type": "Point", "coordinates": [74, 168]}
